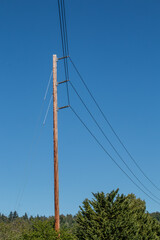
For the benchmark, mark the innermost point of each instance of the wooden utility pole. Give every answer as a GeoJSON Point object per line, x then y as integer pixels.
{"type": "Point", "coordinates": [55, 136]}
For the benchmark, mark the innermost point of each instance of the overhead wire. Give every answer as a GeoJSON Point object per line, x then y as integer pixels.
{"type": "Point", "coordinates": [66, 44]}
{"type": "Point", "coordinates": [65, 49]}
{"type": "Point", "coordinates": [98, 142]}
{"type": "Point", "coordinates": [64, 39]}
{"type": "Point", "coordinates": [113, 147]}
{"type": "Point", "coordinates": [111, 127]}
{"type": "Point", "coordinates": [65, 27]}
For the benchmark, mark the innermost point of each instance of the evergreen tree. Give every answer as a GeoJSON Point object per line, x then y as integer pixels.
{"type": "Point", "coordinates": [10, 217]}
{"type": "Point", "coordinates": [156, 215]}
{"type": "Point", "coordinates": [44, 230]}
{"type": "Point", "coordinates": [15, 215]}
{"type": "Point", "coordinates": [25, 217]}
{"type": "Point", "coordinates": [3, 218]}
{"type": "Point", "coordinates": [115, 216]}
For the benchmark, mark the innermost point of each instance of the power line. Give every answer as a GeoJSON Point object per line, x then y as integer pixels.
{"type": "Point", "coordinates": [111, 127]}
{"type": "Point", "coordinates": [73, 87]}
{"type": "Point", "coordinates": [65, 24]}
{"type": "Point", "coordinates": [64, 39]}
{"type": "Point", "coordinates": [66, 44]}
{"type": "Point", "coordinates": [103, 148]}
{"type": "Point", "coordinates": [65, 49]}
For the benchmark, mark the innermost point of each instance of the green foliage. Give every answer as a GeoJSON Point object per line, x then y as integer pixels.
{"type": "Point", "coordinates": [156, 215]}
{"type": "Point", "coordinates": [13, 230]}
{"type": "Point", "coordinates": [41, 230]}
{"type": "Point", "coordinates": [67, 221]}
{"type": "Point", "coordinates": [107, 216]}
{"type": "Point", "coordinates": [12, 216]}
{"type": "Point", "coordinates": [115, 216]}
{"type": "Point", "coordinates": [34, 228]}
{"type": "Point", "coordinates": [44, 230]}
{"type": "Point", "coordinates": [3, 218]}
{"type": "Point", "coordinates": [66, 234]}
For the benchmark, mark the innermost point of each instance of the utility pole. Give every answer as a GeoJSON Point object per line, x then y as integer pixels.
{"type": "Point", "coordinates": [55, 143]}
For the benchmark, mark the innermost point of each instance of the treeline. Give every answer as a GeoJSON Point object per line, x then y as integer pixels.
{"type": "Point", "coordinates": [106, 216]}
{"type": "Point", "coordinates": [65, 221]}
{"type": "Point", "coordinates": [39, 227]}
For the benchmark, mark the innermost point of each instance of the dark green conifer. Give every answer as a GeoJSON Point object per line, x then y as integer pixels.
{"type": "Point", "coordinates": [115, 216]}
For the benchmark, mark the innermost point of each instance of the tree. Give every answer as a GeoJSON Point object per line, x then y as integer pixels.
{"type": "Point", "coordinates": [15, 215]}
{"type": "Point", "coordinates": [40, 230]}
{"type": "Point", "coordinates": [113, 216]}
{"type": "Point", "coordinates": [25, 217]}
{"type": "Point", "coordinates": [156, 215]}
{"type": "Point", "coordinates": [10, 217]}
{"type": "Point", "coordinates": [44, 230]}
{"type": "Point", "coordinates": [67, 221]}
{"type": "Point", "coordinates": [3, 218]}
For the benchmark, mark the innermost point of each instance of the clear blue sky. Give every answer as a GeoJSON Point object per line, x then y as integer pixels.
{"type": "Point", "coordinates": [116, 46]}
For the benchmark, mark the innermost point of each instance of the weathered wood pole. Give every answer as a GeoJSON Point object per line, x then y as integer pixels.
{"type": "Point", "coordinates": [55, 143]}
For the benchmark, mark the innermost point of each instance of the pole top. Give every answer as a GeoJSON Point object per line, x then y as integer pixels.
{"type": "Point", "coordinates": [54, 57]}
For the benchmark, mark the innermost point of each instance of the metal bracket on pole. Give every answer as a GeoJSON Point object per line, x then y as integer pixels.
{"type": "Point", "coordinates": [62, 58]}
{"type": "Point", "coordinates": [62, 82]}
{"type": "Point", "coordinates": [63, 107]}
